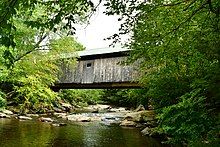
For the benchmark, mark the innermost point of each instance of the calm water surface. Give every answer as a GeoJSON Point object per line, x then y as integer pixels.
{"type": "Point", "coordinates": [16, 133]}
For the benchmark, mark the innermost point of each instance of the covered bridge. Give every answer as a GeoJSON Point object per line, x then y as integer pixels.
{"type": "Point", "coordinates": [98, 68]}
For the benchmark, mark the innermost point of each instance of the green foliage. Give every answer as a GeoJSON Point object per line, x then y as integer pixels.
{"type": "Point", "coordinates": [177, 45]}
{"type": "Point", "coordinates": [34, 95]}
{"type": "Point", "coordinates": [42, 15]}
{"type": "Point", "coordinates": [2, 100]}
{"type": "Point", "coordinates": [30, 69]}
{"type": "Point", "coordinates": [81, 97]}
{"type": "Point", "coordinates": [189, 120]}
{"type": "Point", "coordinates": [128, 98]}
{"type": "Point", "coordinates": [35, 72]}
{"type": "Point", "coordinates": [66, 44]}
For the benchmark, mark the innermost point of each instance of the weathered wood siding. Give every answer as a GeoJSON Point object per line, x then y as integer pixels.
{"type": "Point", "coordinates": [98, 71]}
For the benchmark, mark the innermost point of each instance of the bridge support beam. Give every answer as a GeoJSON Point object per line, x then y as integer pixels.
{"type": "Point", "coordinates": [104, 85]}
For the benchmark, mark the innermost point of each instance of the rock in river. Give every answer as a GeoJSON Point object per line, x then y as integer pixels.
{"type": "Point", "coordinates": [59, 124]}
{"type": "Point", "coordinates": [3, 115]}
{"type": "Point", "coordinates": [8, 112]}
{"type": "Point", "coordinates": [58, 110]}
{"type": "Point", "coordinates": [24, 118]}
{"type": "Point", "coordinates": [46, 119]}
{"type": "Point", "coordinates": [61, 115]}
{"type": "Point", "coordinates": [79, 118]}
{"type": "Point", "coordinates": [120, 109]}
{"type": "Point", "coordinates": [67, 107]}
{"type": "Point", "coordinates": [140, 116]}
{"type": "Point", "coordinates": [150, 132]}
{"type": "Point", "coordinates": [128, 123]}
{"type": "Point", "coordinates": [139, 108]}
{"type": "Point", "coordinates": [96, 108]}
{"type": "Point", "coordinates": [32, 115]}
{"type": "Point", "coordinates": [146, 131]}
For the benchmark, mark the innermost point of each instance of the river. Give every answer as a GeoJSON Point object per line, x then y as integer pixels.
{"type": "Point", "coordinates": [32, 133]}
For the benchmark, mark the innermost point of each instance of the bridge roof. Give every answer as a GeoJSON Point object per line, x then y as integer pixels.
{"type": "Point", "coordinates": [95, 53]}
{"type": "Point", "coordinates": [101, 51]}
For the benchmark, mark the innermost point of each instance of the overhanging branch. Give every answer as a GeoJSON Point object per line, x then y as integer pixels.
{"type": "Point", "coordinates": [34, 48]}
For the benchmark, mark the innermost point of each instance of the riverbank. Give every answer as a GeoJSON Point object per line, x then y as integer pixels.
{"type": "Point", "coordinates": [26, 133]}
{"type": "Point", "coordinates": [103, 114]}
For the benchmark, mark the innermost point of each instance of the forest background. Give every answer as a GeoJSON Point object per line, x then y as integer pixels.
{"type": "Point", "coordinates": [178, 42]}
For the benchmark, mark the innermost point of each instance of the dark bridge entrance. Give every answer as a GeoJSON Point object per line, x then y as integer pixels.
{"type": "Point", "coordinates": [100, 68]}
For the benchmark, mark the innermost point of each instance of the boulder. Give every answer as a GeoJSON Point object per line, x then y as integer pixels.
{"type": "Point", "coordinates": [58, 110]}
{"type": "Point", "coordinates": [150, 132]}
{"type": "Point", "coordinates": [46, 119]}
{"type": "Point", "coordinates": [13, 109]}
{"type": "Point", "coordinates": [85, 119]}
{"type": "Point", "coordinates": [120, 109]}
{"type": "Point", "coordinates": [95, 118]}
{"type": "Point", "coordinates": [109, 122]}
{"type": "Point", "coordinates": [24, 118]}
{"type": "Point", "coordinates": [3, 115]}
{"type": "Point", "coordinates": [146, 131]}
{"type": "Point", "coordinates": [66, 107]}
{"type": "Point", "coordinates": [128, 123]}
{"type": "Point", "coordinates": [8, 112]}
{"type": "Point", "coordinates": [91, 108]}
{"type": "Point", "coordinates": [102, 107]}
{"type": "Point", "coordinates": [59, 124]}
{"type": "Point", "coordinates": [60, 115]}
{"type": "Point", "coordinates": [140, 116]}
{"type": "Point", "coordinates": [78, 118]}
{"type": "Point", "coordinates": [139, 108]}
{"type": "Point", "coordinates": [96, 108]}
{"type": "Point", "coordinates": [133, 116]}
{"type": "Point", "coordinates": [32, 115]}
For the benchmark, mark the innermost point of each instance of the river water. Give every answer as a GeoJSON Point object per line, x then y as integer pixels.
{"type": "Point", "coordinates": [16, 133]}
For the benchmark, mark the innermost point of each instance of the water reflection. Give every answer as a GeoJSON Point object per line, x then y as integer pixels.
{"type": "Point", "coordinates": [15, 133]}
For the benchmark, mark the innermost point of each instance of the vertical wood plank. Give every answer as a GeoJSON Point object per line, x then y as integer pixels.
{"type": "Point", "coordinates": [102, 70]}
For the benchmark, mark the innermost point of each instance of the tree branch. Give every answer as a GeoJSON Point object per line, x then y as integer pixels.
{"type": "Point", "coordinates": [188, 19]}
{"type": "Point", "coordinates": [34, 48]}
{"type": "Point", "coordinates": [94, 9]}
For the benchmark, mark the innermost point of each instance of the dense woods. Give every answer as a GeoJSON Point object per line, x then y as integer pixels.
{"type": "Point", "coordinates": [177, 43]}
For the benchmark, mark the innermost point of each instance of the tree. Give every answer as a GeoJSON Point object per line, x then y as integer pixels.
{"type": "Point", "coordinates": [44, 16]}
{"type": "Point", "coordinates": [27, 80]}
{"type": "Point", "coordinates": [177, 44]}
{"type": "Point", "coordinates": [30, 63]}
{"type": "Point", "coordinates": [55, 15]}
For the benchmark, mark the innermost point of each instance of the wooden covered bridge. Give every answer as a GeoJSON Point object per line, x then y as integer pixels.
{"type": "Point", "coordinates": [99, 68]}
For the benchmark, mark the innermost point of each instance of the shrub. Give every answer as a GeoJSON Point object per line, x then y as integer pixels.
{"type": "Point", "coordinates": [34, 95]}
{"type": "Point", "coordinates": [188, 121]}
{"type": "Point", "coordinates": [81, 97]}
{"type": "Point", "coordinates": [2, 100]}
{"type": "Point", "coordinates": [126, 97]}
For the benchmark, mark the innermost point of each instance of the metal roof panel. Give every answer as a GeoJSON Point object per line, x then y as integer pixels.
{"type": "Point", "coordinates": [100, 51]}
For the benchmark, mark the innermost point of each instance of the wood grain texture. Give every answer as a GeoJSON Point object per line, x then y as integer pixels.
{"type": "Point", "coordinates": [98, 71]}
